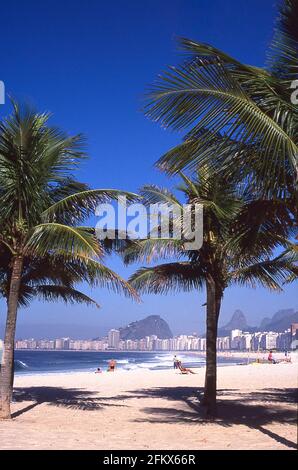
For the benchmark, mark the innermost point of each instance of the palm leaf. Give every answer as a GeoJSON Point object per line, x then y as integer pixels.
{"type": "Point", "coordinates": [79, 206]}
{"type": "Point", "coordinates": [62, 238]}
{"type": "Point", "coordinates": [50, 293]}
{"type": "Point", "coordinates": [206, 96]}
{"type": "Point", "coordinates": [168, 277]}
{"type": "Point", "coordinates": [152, 249]}
{"type": "Point", "coordinates": [271, 273]}
{"type": "Point", "coordinates": [283, 52]}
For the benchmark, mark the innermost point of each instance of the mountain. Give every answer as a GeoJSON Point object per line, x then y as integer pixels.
{"type": "Point", "coordinates": [263, 325]}
{"type": "Point", "coordinates": [237, 322]}
{"type": "Point", "coordinates": [280, 321]}
{"type": "Point", "coordinates": [152, 325]}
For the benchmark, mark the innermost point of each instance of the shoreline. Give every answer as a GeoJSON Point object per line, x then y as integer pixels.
{"type": "Point", "coordinates": [118, 370]}
{"type": "Point", "coordinates": [227, 353]}
{"type": "Point", "coordinates": [225, 359]}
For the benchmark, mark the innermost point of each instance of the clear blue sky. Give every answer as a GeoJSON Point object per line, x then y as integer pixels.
{"type": "Point", "coordinates": [89, 62]}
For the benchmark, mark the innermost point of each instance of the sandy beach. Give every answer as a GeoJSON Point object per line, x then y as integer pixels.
{"type": "Point", "coordinates": [154, 410]}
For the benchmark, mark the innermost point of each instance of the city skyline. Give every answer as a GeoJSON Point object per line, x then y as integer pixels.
{"type": "Point", "coordinates": [86, 331]}
{"type": "Point", "coordinates": [236, 340]}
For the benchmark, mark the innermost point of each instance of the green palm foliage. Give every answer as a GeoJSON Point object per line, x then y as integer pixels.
{"type": "Point", "coordinates": [239, 247]}
{"type": "Point", "coordinates": [42, 210]}
{"type": "Point", "coordinates": [234, 113]}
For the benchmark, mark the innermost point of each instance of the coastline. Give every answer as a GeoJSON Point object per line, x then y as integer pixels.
{"type": "Point", "coordinates": [38, 362]}
{"type": "Point", "coordinates": [145, 409]}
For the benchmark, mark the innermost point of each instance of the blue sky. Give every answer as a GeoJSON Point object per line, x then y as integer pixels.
{"type": "Point", "coordinates": [89, 64]}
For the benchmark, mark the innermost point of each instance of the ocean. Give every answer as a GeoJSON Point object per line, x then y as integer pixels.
{"type": "Point", "coordinates": [47, 362]}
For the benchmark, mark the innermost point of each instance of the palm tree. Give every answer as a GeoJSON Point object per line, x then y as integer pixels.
{"type": "Point", "coordinates": [239, 242]}
{"type": "Point", "coordinates": [47, 279]}
{"type": "Point", "coordinates": [41, 210]}
{"type": "Point", "coordinates": [234, 113]}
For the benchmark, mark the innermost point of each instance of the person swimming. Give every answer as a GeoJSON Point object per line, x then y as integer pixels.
{"type": "Point", "coordinates": [112, 365]}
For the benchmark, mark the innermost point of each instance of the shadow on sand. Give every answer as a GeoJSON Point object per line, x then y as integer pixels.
{"type": "Point", "coordinates": [251, 409]}
{"type": "Point", "coordinates": [74, 398]}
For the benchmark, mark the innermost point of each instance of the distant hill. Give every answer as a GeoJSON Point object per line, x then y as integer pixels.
{"type": "Point", "coordinates": [280, 321]}
{"type": "Point", "coordinates": [237, 322]}
{"type": "Point", "coordinates": [152, 325]}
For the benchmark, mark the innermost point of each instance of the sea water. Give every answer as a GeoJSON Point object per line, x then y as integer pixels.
{"type": "Point", "coordinates": [46, 362]}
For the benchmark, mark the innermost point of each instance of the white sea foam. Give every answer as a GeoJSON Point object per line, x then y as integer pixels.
{"type": "Point", "coordinates": [22, 364]}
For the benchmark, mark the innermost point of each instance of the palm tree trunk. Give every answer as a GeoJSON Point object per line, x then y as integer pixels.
{"type": "Point", "coordinates": [9, 338]}
{"type": "Point", "coordinates": [213, 308]}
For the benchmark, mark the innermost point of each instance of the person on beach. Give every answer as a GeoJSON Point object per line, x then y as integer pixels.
{"type": "Point", "coordinates": [112, 365]}
{"type": "Point", "coordinates": [176, 362]}
{"type": "Point", "coordinates": [270, 358]}
{"type": "Point", "coordinates": [184, 370]}
{"type": "Point", "coordinates": [98, 370]}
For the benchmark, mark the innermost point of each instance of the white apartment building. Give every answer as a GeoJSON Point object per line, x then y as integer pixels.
{"type": "Point", "coordinates": [114, 339]}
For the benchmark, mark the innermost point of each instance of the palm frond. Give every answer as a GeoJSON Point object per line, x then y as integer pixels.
{"type": "Point", "coordinates": [79, 206]}
{"type": "Point", "coordinates": [271, 273]}
{"type": "Point", "coordinates": [153, 194]}
{"type": "Point", "coordinates": [50, 293]}
{"type": "Point", "coordinates": [283, 52]}
{"type": "Point", "coordinates": [204, 95]}
{"type": "Point", "coordinates": [168, 277]}
{"type": "Point", "coordinates": [152, 249]}
{"type": "Point", "coordinates": [62, 238]}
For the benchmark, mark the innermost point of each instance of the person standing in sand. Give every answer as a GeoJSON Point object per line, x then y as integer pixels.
{"type": "Point", "coordinates": [176, 362]}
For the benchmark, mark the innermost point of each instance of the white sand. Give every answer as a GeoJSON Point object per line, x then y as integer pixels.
{"type": "Point", "coordinates": [154, 410]}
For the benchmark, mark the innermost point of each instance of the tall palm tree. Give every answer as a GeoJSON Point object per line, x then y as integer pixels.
{"type": "Point", "coordinates": [238, 114]}
{"type": "Point", "coordinates": [239, 242]}
{"type": "Point", "coordinates": [42, 208]}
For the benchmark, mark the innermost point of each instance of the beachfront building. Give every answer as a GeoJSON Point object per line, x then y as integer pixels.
{"type": "Point", "coordinates": [113, 339]}
{"type": "Point", "coordinates": [223, 343]}
{"type": "Point", "coordinates": [268, 340]}
{"type": "Point", "coordinates": [245, 342]}
{"type": "Point", "coordinates": [62, 343]}
{"type": "Point", "coordinates": [235, 339]}
{"type": "Point", "coordinates": [256, 341]}
{"type": "Point", "coordinates": [284, 340]}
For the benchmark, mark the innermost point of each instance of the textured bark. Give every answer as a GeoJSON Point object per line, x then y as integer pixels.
{"type": "Point", "coordinates": [9, 338]}
{"type": "Point", "coordinates": [214, 296]}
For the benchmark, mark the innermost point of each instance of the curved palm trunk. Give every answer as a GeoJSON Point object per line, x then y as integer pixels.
{"type": "Point", "coordinates": [10, 329]}
{"type": "Point", "coordinates": [214, 296]}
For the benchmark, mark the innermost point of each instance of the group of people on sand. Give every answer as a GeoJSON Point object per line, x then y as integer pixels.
{"type": "Point", "coordinates": [111, 367]}
{"type": "Point", "coordinates": [178, 365]}
{"type": "Point", "coordinates": [271, 359]}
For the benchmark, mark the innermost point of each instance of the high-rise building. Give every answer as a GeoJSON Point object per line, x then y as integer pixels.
{"type": "Point", "coordinates": [114, 339]}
